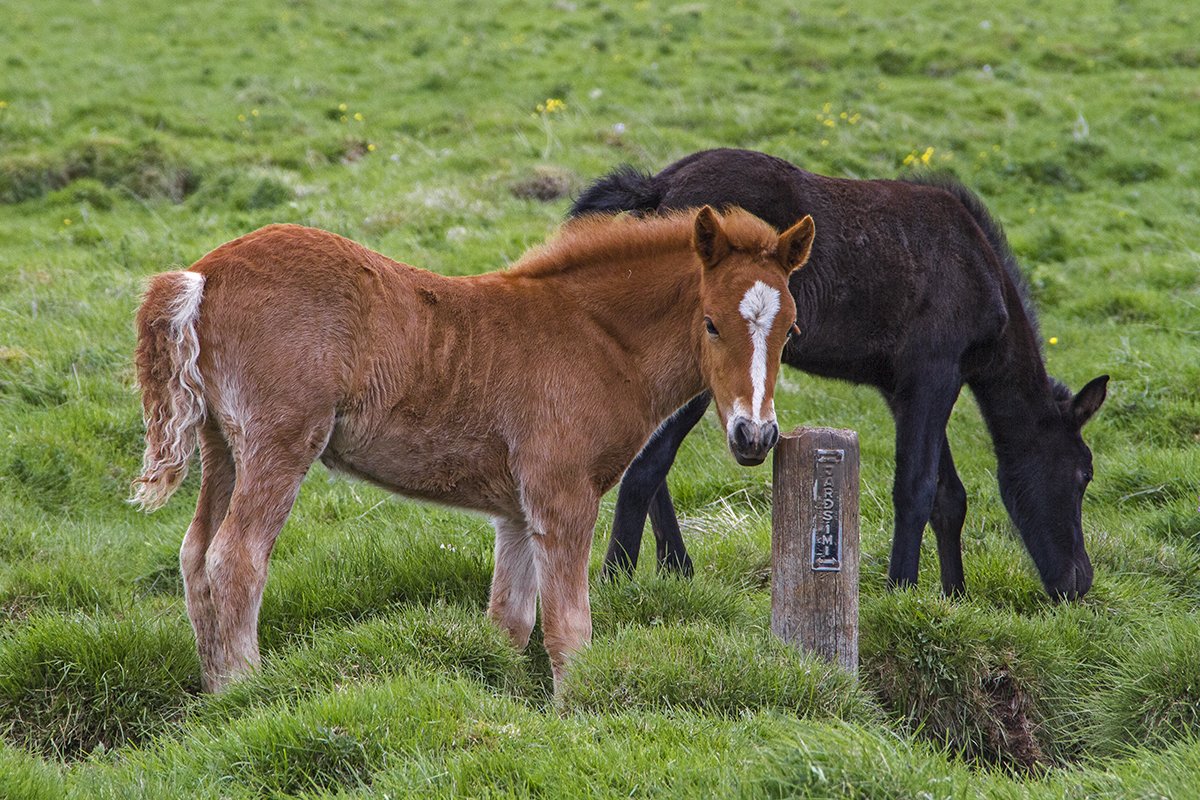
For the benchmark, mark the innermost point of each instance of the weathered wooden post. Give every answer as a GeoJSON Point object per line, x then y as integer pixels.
{"type": "Point", "coordinates": [814, 543]}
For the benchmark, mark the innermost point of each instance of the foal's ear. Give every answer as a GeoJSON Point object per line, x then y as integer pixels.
{"type": "Point", "coordinates": [709, 239]}
{"type": "Point", "coordinates": [1089, 399]}
{"type": "Point", "coordinates": [795, 244]}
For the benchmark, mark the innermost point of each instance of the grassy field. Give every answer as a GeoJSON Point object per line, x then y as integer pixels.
{"type": "Point", "coordinates": [135, 137]}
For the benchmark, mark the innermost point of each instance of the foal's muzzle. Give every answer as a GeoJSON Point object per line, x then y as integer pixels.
{"type": "Point", "coordinates": [751, 441]}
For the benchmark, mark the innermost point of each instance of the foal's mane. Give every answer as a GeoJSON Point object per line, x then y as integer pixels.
{"type": "Point", "coordinates": [624, 238]}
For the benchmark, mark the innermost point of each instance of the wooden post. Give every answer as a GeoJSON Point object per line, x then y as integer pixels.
{"type": "Point", "coordinates": [814, 543]}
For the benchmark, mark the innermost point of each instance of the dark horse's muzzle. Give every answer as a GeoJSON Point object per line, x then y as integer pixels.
{"type": "Point", "coordinates": [1074, 582]}
{"type": "Point", "coordinates": [750, 441]}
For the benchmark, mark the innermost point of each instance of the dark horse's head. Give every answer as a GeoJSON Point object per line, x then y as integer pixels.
{"type": "Point", "coordinates": [1042, 481]}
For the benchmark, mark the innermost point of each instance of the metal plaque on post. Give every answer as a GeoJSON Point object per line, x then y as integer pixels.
{"type": "Point", "coordinates": [828, 479]}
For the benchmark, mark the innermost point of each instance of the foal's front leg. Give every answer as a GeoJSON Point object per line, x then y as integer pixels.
{"type": "Point", "coordinates": [513, 601]}
{"type": "Point", "coordinates": [563, 523]}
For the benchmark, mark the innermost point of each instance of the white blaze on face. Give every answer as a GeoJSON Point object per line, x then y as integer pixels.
{"type": "Point", "coordinates": [759, 307]}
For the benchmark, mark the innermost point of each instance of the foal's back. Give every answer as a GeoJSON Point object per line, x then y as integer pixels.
{"type": "Point", "coordinates": [364, 362]}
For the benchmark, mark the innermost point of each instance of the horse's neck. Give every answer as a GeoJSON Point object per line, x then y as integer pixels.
{"type": "Point", "coordinates": [1013, 390]}
{"type": "Point", "coordinates": [652, 311]}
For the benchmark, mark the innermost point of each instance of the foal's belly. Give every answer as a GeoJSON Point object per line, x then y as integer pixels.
{"type": "Point", "coordinates": [465, 469]}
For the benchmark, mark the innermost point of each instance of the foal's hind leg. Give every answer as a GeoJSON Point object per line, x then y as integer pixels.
{"type": "Point", "coordinates": [949, 514]}
{"type": "Point", "coordinates": [270, 468]}
{"type": "Point", "coordinates": [513, 602]}
{"type": "Point", "coordinates": [216, 486]}
{"type": "Point", "coordinates": [921, 405]}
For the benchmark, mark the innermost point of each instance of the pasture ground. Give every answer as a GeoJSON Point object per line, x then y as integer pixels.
{"type": "Point", "coordinates": [134, 139]}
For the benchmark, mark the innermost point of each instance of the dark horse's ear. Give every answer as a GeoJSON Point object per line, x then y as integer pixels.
{"type": "Point", "coordinates": [1089, 399]}
{"type": "Point", "coordinates": [709, 239]}
{"type": "Point", "coordinates": [795, 244]}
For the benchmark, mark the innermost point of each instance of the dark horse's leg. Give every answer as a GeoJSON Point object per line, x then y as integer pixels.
{"type": "Point", "coordinates": [644, 489]}
{"type": "Point", "coordinates": [921, 405]}
{"type": "Point", "coordinates": [668, 541]}
{"type": "Point", "coordinates": [949, 513]}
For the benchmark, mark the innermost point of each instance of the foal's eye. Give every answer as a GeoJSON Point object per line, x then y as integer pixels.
{"type": "Point", "coordinates": [708, 326]}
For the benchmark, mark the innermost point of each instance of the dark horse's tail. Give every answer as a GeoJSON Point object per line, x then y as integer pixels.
{"type": "Point", "coordinates": [624, 189]}
{"type": "Point", "coordinates": [992, 231]}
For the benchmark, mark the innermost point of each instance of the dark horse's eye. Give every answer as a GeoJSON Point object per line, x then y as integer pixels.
{"type": "Point", "coordinates": [708, 326]}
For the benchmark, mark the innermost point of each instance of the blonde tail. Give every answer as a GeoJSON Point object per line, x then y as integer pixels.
{"type": "Point", "coordinates": [171, 384]}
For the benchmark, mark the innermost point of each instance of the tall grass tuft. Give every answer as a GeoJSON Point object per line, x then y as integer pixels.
{"type": "Point", "coordinates": [654, 600]}
{"type": "Point", "coordinates": [73, 686]}
{"type": "Point", "coordinates": [997, 688]}
{"type": "Point", "coordinates": [416, 640]}
{"type": "Point", "coordinates": [360, 578]}
{"type": "Point", "coordinates": [704, 667]}
{"type": "Point", "coordinates": [1155, 696]}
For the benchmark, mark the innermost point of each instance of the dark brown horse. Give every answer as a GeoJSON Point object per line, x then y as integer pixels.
{"type": "Point", "coordinates": [522, 394]}
{"type": "Point", "coordinates": [912, 289]}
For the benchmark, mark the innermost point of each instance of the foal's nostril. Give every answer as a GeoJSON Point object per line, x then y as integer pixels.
{"type": "Point", "coordinates": [770, 435]}
{"type": "Point", "coordinates": [743, 435]}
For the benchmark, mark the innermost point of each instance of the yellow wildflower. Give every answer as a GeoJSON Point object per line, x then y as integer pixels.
{"type": "Point", "coordinates": [1053, 340]}
{"type": "Point", "coordinates": [342, 106]}
{"type": "Point", "coordinates": [370, 148]}
{"type": "Point", "coordinates": [829, 123]}
{"type": "Point", "coordinates": [67, 221]}
{"type": "Point", "coordinates": [254, 112]}
{"type": "Point", "coordinates": [241, 117]}
{"type": "Point", "coordinates": [927, 156]}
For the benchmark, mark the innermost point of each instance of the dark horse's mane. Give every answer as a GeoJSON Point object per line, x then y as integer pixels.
{"type": "Point", "coordinates": [992, 231]}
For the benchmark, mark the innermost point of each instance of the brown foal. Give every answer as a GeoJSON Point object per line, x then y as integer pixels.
{"type": "Point", "coordinates": [521, 394]}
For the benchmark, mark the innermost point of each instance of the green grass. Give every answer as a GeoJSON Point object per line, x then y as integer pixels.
{"type": "Point", "coordinates": [134, 142]}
